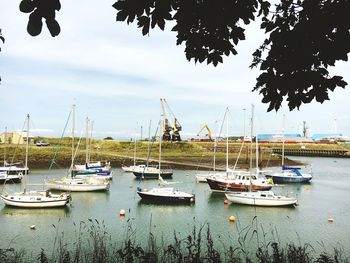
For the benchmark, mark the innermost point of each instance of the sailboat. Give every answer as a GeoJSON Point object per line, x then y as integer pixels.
{"type": "Point", "coordinates": [229, 172]}
{"type": "Point", "coordinates": [11, 172]}
{"type": "Point", "coordinates": [99, 169]}
{"type": "Point", "coordinates": [164, 194]}
{"type": "Point", "coordinates": [235, 180]}
{"type": "Point", "coordinates": [153, 172]}
{"type": "Point", "coordinates": [288, 174]}
{"type": "Point", "coordinates": [132, 168]}
{"type": "Point", "coordinates": [86, 184]}
{"type": "Point", "coordinates": [259, 198]}
{"type": "Point", "coordinates": [34, 198]}
{"type": "Point", "coordinates": [202, 177]}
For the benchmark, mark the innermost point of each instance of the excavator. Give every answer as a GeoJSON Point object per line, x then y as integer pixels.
{"type": "Point", "coordinates": [209, 134]}
{"type": "Point", "coordinates": [172, 127]}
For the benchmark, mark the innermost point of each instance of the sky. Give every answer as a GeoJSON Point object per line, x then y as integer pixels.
{"type": "Point", "coordinates": [116, 76]}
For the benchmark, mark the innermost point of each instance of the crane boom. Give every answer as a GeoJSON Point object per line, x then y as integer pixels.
{"type": "Point", "coordinates": [205, 126]}
{"type": "Point", "coordinates": [172, 127]}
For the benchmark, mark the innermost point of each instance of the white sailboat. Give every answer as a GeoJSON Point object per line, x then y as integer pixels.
{"type": "Point", "coordinates": [164, 194]}
{"type": "Point", "coordinates": [11, 173]}
{"type": "Point", "coordinates": [201, 177]}
{"type": "Point", "coordinates": [259, 198]}
{"type": "Point", "coordinates": [34, 198]}
{"type": "Point", "coordinates": [132, 168]}
{"type": "Point", "coordinates": [98, 169]}
{"type": "Point", "coordinates": [87, 184]}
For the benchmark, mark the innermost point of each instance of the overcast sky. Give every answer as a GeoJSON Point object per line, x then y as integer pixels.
{"type": "Point", "coordinates": [116, 76]}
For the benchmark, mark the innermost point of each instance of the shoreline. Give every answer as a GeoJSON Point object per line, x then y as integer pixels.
{"type": "Point", "coordinates": [180, 155]}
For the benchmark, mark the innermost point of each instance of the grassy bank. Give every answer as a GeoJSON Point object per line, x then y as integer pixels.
{"type": "Point", "coordinates": [187, 155]}
{"type": "Point", "coordinates": [93, 244]}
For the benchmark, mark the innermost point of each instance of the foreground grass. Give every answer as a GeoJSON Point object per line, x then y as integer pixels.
{"type": "Point", "coordinates": [94, 244]}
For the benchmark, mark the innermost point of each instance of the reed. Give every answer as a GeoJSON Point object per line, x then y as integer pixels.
{"type": "Point", "coordinates": [93, 243]}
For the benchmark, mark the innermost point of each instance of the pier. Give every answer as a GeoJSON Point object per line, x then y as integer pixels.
{"type": "Point", "coordinates": [313, 152]}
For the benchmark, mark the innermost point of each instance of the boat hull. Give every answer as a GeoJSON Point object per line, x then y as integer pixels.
{"type": "Point", "coordinates": [10, 178]}
{"type": "Point", "coordinates": [153, 175]}
{"type": "Point", "coordinates": [165, 199]}
{"type": "Point", "coordinates": [14, 170]}
{"type": "Point", "coordinates": [34, 202]}
{"type": "Point", "coordinates": [221, 186]}
{"type": "Point", "coordinates": [245, 199]}
{"type": "Point", "coordinates": [281, 179]}
{"type": "Point", "coordinates": [76, 186]}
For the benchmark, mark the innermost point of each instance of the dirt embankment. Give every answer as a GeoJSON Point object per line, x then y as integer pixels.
{"type": "Point", "coordinates": [184, 155]}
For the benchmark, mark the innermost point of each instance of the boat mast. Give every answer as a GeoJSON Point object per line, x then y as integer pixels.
{"type": "Point", "coordinates": [256, 154]}
{"type": "Point", "coordinates": [226, 142]}
{"type": "Point", "coordinates": [135, 149]}
{"type": "Point", "coordinates": [87, 141]}
{"type": "Point", "coordinates": [73, 127]}
{"type": "Point", "coordinates": [251, 150]}
{"type": "Point", "coordinates": [283, 141]}
{"type": "Point", "coordinates": [90, 139]}
{"type": "Point", "coordinates": [5, 142]}
{"type": "Point", "coordinates": [26, 160]}
{"type": "Point", "coordinates": [160, 139]}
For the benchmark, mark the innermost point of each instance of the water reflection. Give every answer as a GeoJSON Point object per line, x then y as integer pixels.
{"type": "Point", "coordinates": [8, 211]}
{"type": "Point", "coordinates": [89, 199]}
{"type": "Point", "coordinates": [151, 203]}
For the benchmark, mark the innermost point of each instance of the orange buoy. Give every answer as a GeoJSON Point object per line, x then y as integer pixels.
{"type": "Point", "coordinates": [232, 219]}
{"type": "Point", "coordinates": [225, 201]}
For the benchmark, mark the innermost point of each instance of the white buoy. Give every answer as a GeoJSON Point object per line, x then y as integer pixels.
{"type": "Point", "coordinates": [330, 220]}
{"type": "Point", "coordinates": [122, 212]}
{"type": "Point", "coordinates": [33, 227]}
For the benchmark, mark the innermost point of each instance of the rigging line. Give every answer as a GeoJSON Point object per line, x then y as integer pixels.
{"type": "Point", "coordinates": [15, 151]}
{"type": "Point", "coordinates": [217, 138]}
{"type": "Point", "coordinates": [70, 170]}
{"type": "Point", "coordinates": [53, 162]}
{"type": "Point", "coordinates": [14, 154]}
{"type": "Point", "coordinates": [239, 154]}
{"type": "Point", "coordinates": [149, 151]}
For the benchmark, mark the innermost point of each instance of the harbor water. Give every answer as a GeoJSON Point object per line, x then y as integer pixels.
{"type": "Point", "coordinates": [327, 196]}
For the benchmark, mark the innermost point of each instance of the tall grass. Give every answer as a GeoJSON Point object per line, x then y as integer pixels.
{"type": "Point", "coordinates": [93, 243]}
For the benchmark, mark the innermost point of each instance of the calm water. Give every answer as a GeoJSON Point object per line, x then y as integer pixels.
{"type": "Point", "coordinates": [327, 196]}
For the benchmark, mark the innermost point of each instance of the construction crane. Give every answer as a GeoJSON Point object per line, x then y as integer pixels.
{"type": "Point", "coordinates": [209, 134]}
{"type": "Point", "coordinates": [171, 126]}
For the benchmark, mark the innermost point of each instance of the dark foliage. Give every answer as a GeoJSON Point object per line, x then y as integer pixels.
{"type": "Point", "coordinates": [210, 29]}
{"type": "Point", "coordinates": [38, 10]}
{"type": "Point", "coordinates": [304, 38]}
